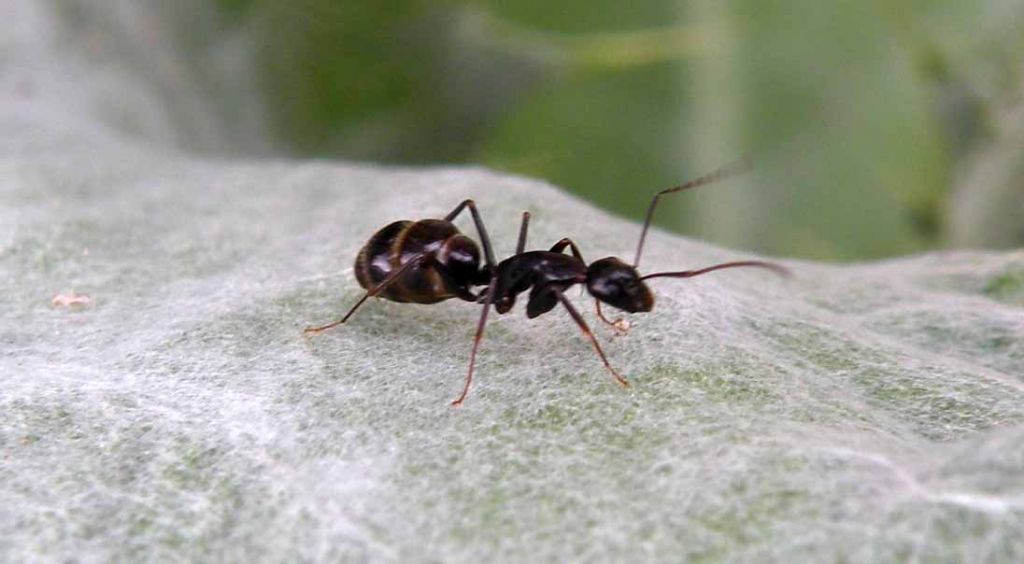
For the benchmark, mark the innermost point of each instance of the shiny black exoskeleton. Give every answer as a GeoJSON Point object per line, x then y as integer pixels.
{"type": "Point", "coordinates": [429, 261]}
{"type": "Point", "coordinates": [546, 273]}
{"type": "Point", "coordinates": [423, 262]}
{"type": "Point", "coordinates": [440, 263]}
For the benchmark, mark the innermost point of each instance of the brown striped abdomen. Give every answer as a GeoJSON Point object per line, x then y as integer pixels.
{"type": "Point", "coordinates": [396, 244]}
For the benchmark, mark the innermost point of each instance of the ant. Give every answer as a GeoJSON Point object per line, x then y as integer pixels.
{"type": "Point", "coordinates": [429, 261]}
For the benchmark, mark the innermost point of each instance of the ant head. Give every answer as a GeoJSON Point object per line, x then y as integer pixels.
{"type": "Point", "coordinates": [619, 285]}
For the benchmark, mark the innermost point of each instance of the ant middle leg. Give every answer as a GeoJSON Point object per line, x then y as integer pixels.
{"type": "Point", "coordinates": [589, 335]}
{"type": "Point", "coordinates": [488, 300]}
{"type": "Point", "coordinates": [521, 244]}
{"type": "Point", "coordinates": [620, 325]}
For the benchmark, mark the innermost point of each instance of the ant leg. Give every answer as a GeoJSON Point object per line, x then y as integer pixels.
{"type": "Point", "coordinates": [567, 242]}
{"type": "Point", "coordinates": [590, 335]}
{"type": "Point", "coordinates": [416, 260]}
{"type": "Point", "coordinates": [484, 239]}
{"type": "Point", "coordinates": [521, 245]}
{"type": "Point", "coordinates": [488, 298]}
{"type": "Point", "coordinates": [620, 325]}
{"type": "Point", "coordinates": [731, 169]}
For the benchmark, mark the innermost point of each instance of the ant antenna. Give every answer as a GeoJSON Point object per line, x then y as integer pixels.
{"type": "Point", "coordinates": [731, 169]}
{"type": "Point", "coordinates": [777, 269]}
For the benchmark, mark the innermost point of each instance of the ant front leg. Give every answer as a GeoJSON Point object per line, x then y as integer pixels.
{"type": "Point", "coordinates": [621, 326]}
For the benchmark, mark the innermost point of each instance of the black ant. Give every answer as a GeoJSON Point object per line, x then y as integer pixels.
{"type": "Point", "coordinates": [429, 261]}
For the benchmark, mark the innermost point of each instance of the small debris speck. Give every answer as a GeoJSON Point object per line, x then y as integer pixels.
{"type": "Point", "coordinates": [70, 299]}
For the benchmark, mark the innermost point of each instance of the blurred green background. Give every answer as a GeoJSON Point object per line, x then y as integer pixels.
{"type": "Point", "coordinates": [877, 128]}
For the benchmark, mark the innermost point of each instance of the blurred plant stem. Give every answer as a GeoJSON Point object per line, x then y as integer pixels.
{"type": "Point", "coordinates": [714, 129]}
{"type": "Point", "coordinates": [987, 207]}
{"type": "Point", "coordinates": [596, 50]}
{"type": "Point", "coordinates": [984, 131]}
{"type": "Point", "coordinates": [841, 133]}
{"type": "Point", "coordinates": [860, 117]}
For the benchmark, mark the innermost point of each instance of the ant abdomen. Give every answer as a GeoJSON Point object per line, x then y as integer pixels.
{"type": "Point", "coordinates": [449, 262]}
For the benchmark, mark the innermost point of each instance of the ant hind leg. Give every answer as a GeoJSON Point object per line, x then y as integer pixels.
{"type": "Point", "coordinates": [376, 290]}
{"type": "Point", "coordinates": [485, 240]}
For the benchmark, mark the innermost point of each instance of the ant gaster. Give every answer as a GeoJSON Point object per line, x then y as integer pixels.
{"type": "Point", "coordinates": [429, 261]}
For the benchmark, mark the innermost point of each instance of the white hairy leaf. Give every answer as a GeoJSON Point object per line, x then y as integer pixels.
{"type": "Point", "coordinates": [158, 399]}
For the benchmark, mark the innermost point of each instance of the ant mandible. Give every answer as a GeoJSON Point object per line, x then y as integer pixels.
{"type": "Point", "coordinates": [429, 261]}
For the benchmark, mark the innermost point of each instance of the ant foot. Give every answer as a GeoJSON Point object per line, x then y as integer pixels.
{"type": "Point", "coordinates": [621, 327]}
